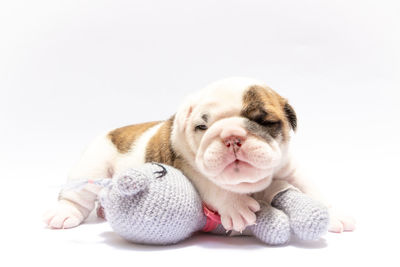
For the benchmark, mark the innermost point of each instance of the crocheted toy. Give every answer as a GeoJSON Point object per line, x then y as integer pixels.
{"type": "Point", "coordinates": [157, 204]}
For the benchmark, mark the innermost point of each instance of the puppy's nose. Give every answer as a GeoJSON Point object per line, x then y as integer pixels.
{"type": "Point", "coordinates": [233, 141]}
{"type": "Point", "coordinates": [237, 131]}
{"type": "Point", "coordinates": [233, 136]}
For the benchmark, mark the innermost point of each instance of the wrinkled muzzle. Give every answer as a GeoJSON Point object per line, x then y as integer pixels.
{"type": "Point", "coordinates": [229, 154]}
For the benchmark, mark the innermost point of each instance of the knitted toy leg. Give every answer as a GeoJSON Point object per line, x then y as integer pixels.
{"type": "Point", "coordinates": [308, 218]}
{"type": "Point", "coordinates": [272, 226]}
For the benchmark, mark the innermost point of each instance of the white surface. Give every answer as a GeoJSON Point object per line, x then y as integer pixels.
{"type": "Point", "coordinates": [71, 69]}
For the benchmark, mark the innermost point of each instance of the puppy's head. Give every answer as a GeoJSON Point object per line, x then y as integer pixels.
{"type": "Point", "coordinates": [235, 132]}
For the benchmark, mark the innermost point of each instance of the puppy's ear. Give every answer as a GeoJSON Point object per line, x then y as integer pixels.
{"type": "Point", "coordinates": [182, 117]}
{"type": "Point", "coordinates": [290, 115]}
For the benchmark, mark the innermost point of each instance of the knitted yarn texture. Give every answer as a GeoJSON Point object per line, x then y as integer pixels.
{"type": "Point", "coordinates": [154, 205]}
{"type": "Point", "coordinates": [158, 205]}
{"type": "Point", "coordinates": [308, 218]}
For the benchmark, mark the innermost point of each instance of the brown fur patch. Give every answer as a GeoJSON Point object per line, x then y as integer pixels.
{"type": "Point", "coordinates": [265, 107]}
{"type": "Point", "coordinates": [159, 147]}
{"type": "Point", "coordinates": [124, 137]}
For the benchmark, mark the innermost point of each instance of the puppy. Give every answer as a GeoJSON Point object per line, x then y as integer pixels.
{"type": "Point", "coordinates": [231, 139]}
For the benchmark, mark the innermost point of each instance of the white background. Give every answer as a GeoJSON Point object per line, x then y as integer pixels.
{"type": "Point", "coordinates": [72, 69]}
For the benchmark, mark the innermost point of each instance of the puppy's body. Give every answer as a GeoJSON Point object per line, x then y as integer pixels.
{"type": "Point", "coordinates": [231, 140]}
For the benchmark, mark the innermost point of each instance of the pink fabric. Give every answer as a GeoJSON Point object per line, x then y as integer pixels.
{"type": "Point", "coordinates": [213, 219]}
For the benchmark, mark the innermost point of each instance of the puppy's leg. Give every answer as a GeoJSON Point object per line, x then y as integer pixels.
{"type": "Point", "coordinates": [75, 205]}
{"type": "Point", "coordinates": [236, 210]}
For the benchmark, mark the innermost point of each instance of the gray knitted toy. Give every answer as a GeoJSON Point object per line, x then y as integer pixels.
{"type": "Point", "coordinates": [157, 204]}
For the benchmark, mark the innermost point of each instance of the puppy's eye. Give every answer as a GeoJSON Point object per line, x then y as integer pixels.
{"type": "Point", "coordinates": [261, 121]}
{"type": "Point", "coordinates": [200, 127]}
{"type": "Point", "coordinates": [271, 123]}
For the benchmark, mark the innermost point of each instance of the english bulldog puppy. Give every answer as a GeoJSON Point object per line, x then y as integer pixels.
{"type": "Point", "coordinates": [231, 139]}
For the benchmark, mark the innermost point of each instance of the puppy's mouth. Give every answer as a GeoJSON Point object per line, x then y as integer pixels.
{"type": "Point", "coordinates": [248, 187]}
{"type": "Point", "coordinates": [238, 166]}
{"type": "Point", "coordinates": [239, 171]}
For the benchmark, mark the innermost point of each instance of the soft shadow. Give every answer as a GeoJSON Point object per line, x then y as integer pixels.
{"type": "Point", "coordinates": [204, 240]}
{"type": "Point", "coordinates": [114, 240]}
{"type": "Point", "coordinates": [318, 244]}
{"type": "Point", "coordinates": [212, 241]}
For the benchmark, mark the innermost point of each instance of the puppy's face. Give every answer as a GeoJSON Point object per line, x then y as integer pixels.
{"type": "Point", "coordinates": [235, 132]}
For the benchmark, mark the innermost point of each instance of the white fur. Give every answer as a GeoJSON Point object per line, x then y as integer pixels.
{"type": "Point", "coordinates": [100, 160]}
{"type": "Point", "coordinates": [74, 207]}
{"type": "Point", "coordinates": [136, 156]}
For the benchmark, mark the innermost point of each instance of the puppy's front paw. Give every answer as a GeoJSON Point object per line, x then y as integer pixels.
{"type": "Point", "coordinates": [64, 215]}
{"type": "Point", "coordinates": [339, 222]}
{"type": "Point", "coordinates": [238, 212]}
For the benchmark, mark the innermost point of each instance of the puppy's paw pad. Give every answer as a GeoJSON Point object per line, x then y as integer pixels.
{"type": "Point", "coordinates": [251, 203]}
{"type": "Point", "coordinates": [63, 216]}
{"type": "Point", "coordinates": [226, 222]}
{"type": "Point", "coordinates": [339, 223]}
{"type": "Point", "coordinates": [239, 213]}
{"type": "Point", "coordinates": [233, 221]}
{"type": "Point", "coordinates": [71, 222]}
